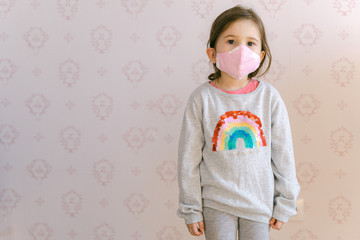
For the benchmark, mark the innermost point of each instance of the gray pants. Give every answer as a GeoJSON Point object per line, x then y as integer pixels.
{"type": "Point", "coordinates": [223, 226]}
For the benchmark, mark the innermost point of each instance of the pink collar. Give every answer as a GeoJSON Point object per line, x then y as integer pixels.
{"type": "Point", "coordinates": [251, 86]}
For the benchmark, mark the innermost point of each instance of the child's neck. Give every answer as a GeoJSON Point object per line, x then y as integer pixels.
{"type": "Point", "coordinates": [229, 83]}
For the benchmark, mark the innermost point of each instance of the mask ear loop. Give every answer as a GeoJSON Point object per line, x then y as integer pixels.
{"type": "Point", "coordinates": [214, 55]}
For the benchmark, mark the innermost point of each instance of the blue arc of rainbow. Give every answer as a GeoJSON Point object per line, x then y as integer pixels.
{"type": "Point", "coordinates": [244, 133]}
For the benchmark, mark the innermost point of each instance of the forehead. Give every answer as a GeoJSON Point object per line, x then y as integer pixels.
{"type": "Point", "coordinates": [242, 28]}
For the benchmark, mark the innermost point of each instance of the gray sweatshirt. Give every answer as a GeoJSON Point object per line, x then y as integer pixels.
{"type": "Point", "coordinates": [236, 155]}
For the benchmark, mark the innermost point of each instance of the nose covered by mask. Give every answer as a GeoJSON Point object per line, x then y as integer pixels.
{"type": "Point", "coordinates": [238, 62]}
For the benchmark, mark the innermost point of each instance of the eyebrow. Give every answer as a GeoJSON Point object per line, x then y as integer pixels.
{"type": "Point", "coordinates": [254, 39]}
{"type": "Point", "coordinates": [238, 36]}
{"type": "Point", "coordinates": [231, 36]}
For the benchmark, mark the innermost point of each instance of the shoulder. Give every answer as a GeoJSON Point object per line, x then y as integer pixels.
{"type": "Point", "coordinates": [200, 92]}
{"type": "Point", "coordinates": [270, 88]}
{"type": "Point", "coordinates": [273, 95]}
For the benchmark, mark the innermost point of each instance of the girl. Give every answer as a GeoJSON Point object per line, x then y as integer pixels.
{"type": "Point", "coordinates": [236, 168]}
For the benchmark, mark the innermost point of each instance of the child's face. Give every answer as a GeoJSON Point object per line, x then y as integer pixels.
{"type": "Point", "coordinates": [241, 32]}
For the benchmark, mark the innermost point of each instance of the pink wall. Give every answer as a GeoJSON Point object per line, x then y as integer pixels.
{"type": "Point", "coordinates": [91, 101]}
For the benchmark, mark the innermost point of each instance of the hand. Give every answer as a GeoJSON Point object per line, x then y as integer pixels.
{"type": "Point", "coordinates": [276, 224]}
{"type": "Point", "coordinates": [196, 229]}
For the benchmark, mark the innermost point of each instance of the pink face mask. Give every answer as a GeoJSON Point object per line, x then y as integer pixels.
{"type": "Point", "coordinates": [238, 62]}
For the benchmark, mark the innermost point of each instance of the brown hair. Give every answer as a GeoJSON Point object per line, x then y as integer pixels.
{"type": "Point", "coordinates": [223, 21]}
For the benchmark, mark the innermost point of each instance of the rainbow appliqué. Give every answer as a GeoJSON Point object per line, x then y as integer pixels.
{"type": "Point", "coordinates": [238, 124]}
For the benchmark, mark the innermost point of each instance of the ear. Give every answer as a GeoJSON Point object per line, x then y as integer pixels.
{"type": "Point", "coordinates": [211, 54]}
{"type": "Point", "coordinates": [262, 55]}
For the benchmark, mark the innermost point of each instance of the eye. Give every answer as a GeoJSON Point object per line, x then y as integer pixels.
{"type": "Point", "coordinates": [251, 44]}
{"type": "Point", "coordinates": [231, 41]}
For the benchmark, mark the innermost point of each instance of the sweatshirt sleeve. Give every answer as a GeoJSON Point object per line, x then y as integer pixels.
{"type": "Point", "coordinates": [191, 143]}
{"type": "Point", "coordinates": [287, 188]}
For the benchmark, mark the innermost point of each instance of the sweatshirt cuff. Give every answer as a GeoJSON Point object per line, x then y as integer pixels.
{"type": "Point", "coordinates": [193, 218]}
{"type": "Point", "coordinates": [278, 215]}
